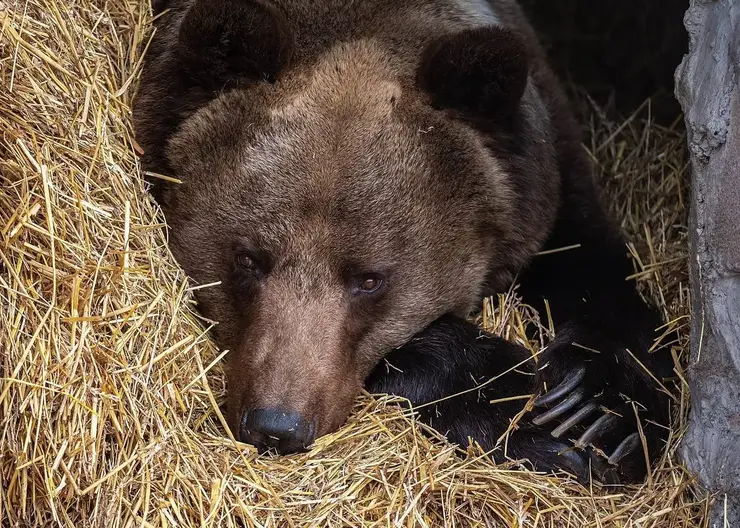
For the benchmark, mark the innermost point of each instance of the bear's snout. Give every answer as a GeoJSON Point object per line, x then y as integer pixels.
{"type": "Point", "coordinates": [295, 374]}
{"type": "Point", "coordinates": [276, 430]}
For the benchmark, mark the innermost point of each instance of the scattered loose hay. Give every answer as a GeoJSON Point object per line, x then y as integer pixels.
{"type": "Point", "coordinates": [109, 386]}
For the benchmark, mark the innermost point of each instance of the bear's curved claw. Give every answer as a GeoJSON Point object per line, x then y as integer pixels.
{"type": "Point", "coordinates": [603, 425]}
{"type": "Point", "coordinates": [576, 418]}
{"type": "Point", "coordinates": [597, 422]}
{"type": "Point", "coordinates": [627, 447]}
{"type": "Point", "coordinates": [570, 401]}
{"type": "Point", "coordinates": [571, 380]}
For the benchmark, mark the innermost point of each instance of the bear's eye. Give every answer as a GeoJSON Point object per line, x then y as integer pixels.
{"type": "Point", "coordinates": [246, 262]}
{"type": "Point", "coordinates": [370, 283]}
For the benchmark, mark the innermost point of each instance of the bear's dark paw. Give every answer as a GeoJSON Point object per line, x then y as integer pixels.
{"type": "Point", "coordinates": [597, 441]}
{"type": "Point", "coordinates": [606, 403]}
{"type": "Point", "coordinates": [547, 454]}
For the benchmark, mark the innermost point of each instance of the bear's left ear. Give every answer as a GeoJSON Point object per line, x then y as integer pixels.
{"type": "Point", "coordinates": [222, 41]}
{"type": "Point", "coordinates": [479, 71]}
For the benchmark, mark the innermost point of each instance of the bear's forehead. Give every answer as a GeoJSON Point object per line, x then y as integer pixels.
{"type": "Point", "coordinates": [363, 172]}
{"type": "Point", "coordinates": [356, 77]}
{"type": "Point", "coordinates": [343, 126]}
{"type": "Point", "coordinates": [343, 146]}
{"type": "Point", "coordinates": [379, 178]}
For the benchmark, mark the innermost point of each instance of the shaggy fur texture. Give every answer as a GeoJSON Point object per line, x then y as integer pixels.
{"type": "Point", "coordinates": [415, 147]}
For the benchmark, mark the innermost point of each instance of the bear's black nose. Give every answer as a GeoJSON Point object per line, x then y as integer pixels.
{"type": "Point", "coordinates": [276, 429]}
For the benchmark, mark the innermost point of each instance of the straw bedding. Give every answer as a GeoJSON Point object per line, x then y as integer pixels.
{"type": "Point", "coordinates": [109, 386]}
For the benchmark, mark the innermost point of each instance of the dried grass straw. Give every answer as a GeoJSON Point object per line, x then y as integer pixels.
{"type": "Point", "coordinates": [107, 419]}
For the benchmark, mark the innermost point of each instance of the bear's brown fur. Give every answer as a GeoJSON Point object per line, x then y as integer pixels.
{"type": "Point", "coordinates": [422, 148]}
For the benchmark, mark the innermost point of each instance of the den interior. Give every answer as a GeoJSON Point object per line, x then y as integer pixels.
{"type": "Point", "coordinates": [112, 420]}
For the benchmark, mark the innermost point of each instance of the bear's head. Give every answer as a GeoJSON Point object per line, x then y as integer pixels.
{"type": "Point", "coordinates": [332, 208]}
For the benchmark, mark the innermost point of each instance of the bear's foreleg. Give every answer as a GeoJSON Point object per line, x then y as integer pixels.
{"type": "Point", "coordinates": [602, 376]}
{"type": "Point", "coordinates": [468, 384]}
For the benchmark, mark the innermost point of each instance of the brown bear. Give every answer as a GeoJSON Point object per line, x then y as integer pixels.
{"type": "Point", "coordinates": [355, 175]}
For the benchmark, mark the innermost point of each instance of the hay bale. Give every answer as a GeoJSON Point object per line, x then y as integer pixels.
{"type": "Point", "coordinates": [109, 387]}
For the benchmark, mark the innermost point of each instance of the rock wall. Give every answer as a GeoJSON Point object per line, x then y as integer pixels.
{"type": "Point", "coordinates": [707, 88]}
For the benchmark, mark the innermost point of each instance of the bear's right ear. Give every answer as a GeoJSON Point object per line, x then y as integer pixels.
{"type": "Point", "coordinates": [478, 71]}
{"type": "Point", "coordinates": [222, 41]}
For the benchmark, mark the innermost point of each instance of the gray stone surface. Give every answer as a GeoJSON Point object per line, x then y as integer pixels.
{"type": "Point", "coordinates": [707, 88]}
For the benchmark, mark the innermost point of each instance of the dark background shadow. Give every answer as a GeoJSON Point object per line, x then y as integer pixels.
{"type": "Point", "coordinates": [621, 52]}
